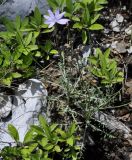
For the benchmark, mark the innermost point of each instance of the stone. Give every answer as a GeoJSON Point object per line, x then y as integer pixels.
{"type": "Point", "coordinates": [114, 23]}
{"type": "Point", "coordinates": [116, 29]}
{"type": "Point", "coordinates": [128, 30]}
{"type": "Point", "coordinates": [85, 54]}
{"type": "Point", "coordinates": [120, 47]}
{"type": "Point", "coordinates": [113, 45]}
{"type": "Point", "coordinates": [115, 26]}
{"type": "Point", "coordinates": [11, 8]}
{"type": "Point", "coordinates": [119, 18]}
{"type": "Point", "coordinates": [5, 106]}
{"type": "Point", "coordinates": [106, 31]}
{"type": "Point", "coordinates": [129, 50]}
{"type": "Point", "coordinates": [28, 102]}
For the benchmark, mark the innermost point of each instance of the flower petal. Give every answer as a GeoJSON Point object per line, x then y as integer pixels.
{"type": "Point", "coordinates": [51, 25]}
{"type": "Point", "coordinates": [63, 21]}
{"type": "Point", "coordinates": [46, 17]}
{"type": "Point", "coordinates": [51, 14]}
{"type": "Point", "coordinates": [57, 12]}
{"type": "Point", "coordinates": [59, 16]}
{"type": "Point", "coordinates": [48, 21]}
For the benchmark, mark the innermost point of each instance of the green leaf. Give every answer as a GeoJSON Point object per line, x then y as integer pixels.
{"type": "Point", "coordinates": [32, 47]}
{"type": "Point", "coordinates": [98, 7]}
{"type": "Point", "coordinates": [70, 141]}
{"type": "Point", "coordinates": [72, 129]}
{"type": "Point", "coordinates": [26, 29]}
{"type": "Point", "coordinates": [84, 37]}
{"type": "Point", "coordinates": [48, 30]}
{"type": "Point", "coordinates": [44, 26]}
{"type": "Point", "coordinates": [86, 16]}
{"type": "Point", "coordinates": [17, 54]}
{"type": "Point", "coordinates": [49, 147]}
{"type": "Point", "coordinates": [77, 147]}
{"type": "Point", "coordinates": [74, 155]}
{"type": "Point", "coordinates": [57, 149]}
{"type": "Point", "coordinates": [25, 23]}
{"type": "Point", "coordinates": [74, 18]}
{"type": "Point", "coordinates": [38, 54]}
{"type": "Point", "coordinates": [53, 4]}
{"type": "Point", "coordinates": [107, 53]}
{"type": "Point", "coordinates": [27, 150]}
{"type": "Point", "coordinates": [96, 27]}
{"type": "Point", "coordinates": [16, 75]}
{"type": "Point", "coordinates": [53, 51]}
{"type": "Point", "coordinates": [61, 132]}
{"type": "Point", "coordinates": [28, 38]}
{"type": "Point", "coordinates": [43, 142]}
{"type": "Point", "coordinates": [102, 1]}
{"type": "Point", "coordinates": [19, 38]}
{"type": "Point", "coordinates": [13, 132]}
{"type": "Point", "coordinates": [45, 126]}
{"type": "Point", "coordinates": [37, 16]}
{"type": "Point", "coordinates": [93, 20]}
{"type": "Point", "coordinates": [53, 127]}
{"type": "Point", "coordinates": [37, 129]}
{"type": "Point", "coordinates": [48, 46]}
{"type": "Point", "coordinates": [18, 22]}
{"type": "Point", "coordinates": [7, 81]}
{"type": "Point", "coordinates": [69, 6]}
{"type": "Point", "coordinates": [9, 25]}
{"type": "Point", "coordinates": [77, 25]}
{"type": "Point", "coordinates": [36, 34]}
{"type": "Point", "coordinates": [7, 35]}
{"type": "Point", "coordinates": [119, 79]}
{"type": "Point", "coordinates": [29, 136]}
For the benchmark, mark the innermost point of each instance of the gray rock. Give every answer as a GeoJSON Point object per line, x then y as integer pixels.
{"type": "Point", "coordinates": [128, 30]}
{"type": "Point", "coordinates": [114, 23]}
{"type": "Point", "coordinates": [5, 106]}
{"type": "Point", "coordinates": [113, 45]}
{"type": "Point", "coordinates": [119, 18]}
{"type": "Point", "coordinates": [115, 26]}
{"type": "Point", "coordinates": [11, 8]}
{"type": "Point", "coordinates": [85, 54]}
{"type": "Point", "coordinates": [29, 101]}
{"type": "Point", "coordinates": [120, 47]}
{"type": "Point", "coordinates": [116, 29]}
{"type": "Point", "coordinates": [106, 31]}
{"type": "Point", "coordinates": [130, 50]}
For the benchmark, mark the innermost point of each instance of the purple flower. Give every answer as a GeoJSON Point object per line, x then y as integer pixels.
{"type": "Point", "coordinates": [55, 18]}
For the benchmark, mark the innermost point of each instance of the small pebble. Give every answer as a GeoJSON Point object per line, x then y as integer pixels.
{"type": "Point", "coordinates": [119, 18]}
{"type": "Point", "coordinates": [121, 47]}
{"type": "Point", "coordinates": [116, 29]}
{"type": "Point", "coordinates": [106, 31]}
{"type": "Point", "coordinates": [130, 50]}
{"type": "Point", "coordinates": [128, 30]}
{"type": "Point", "coordinates": [113, 45]}
{"type": "Point", "coordinates": [124, 8]}
{"type": "Point", "coordinates": [114, 23]}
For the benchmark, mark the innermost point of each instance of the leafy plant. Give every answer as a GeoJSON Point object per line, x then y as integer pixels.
{"type": "Point", "coordinates": [20, 47]}
{"type": "Point", "coordinates": [43, 142]}
{"type": "Point", "coordinates": [105, 68]}
{"type": "Point", "coordinates": [83, 14]}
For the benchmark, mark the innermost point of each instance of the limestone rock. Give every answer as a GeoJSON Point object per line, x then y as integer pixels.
{"type": "Point", "coordinates": [11, 8]}
{"type": "Point", "coordinates": [28, 102]}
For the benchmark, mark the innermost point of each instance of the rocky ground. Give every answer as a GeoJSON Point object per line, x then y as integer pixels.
{"type": "Point", "coordinates": [112, 140]}
{"type": "Point", "coordinates": [117, 20]}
